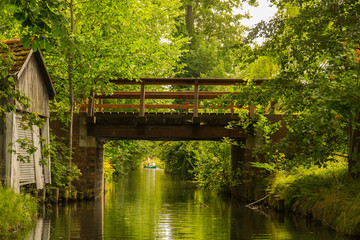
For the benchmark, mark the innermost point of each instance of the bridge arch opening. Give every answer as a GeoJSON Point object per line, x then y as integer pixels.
{"type": "Point", "coordinates": [98, 123]}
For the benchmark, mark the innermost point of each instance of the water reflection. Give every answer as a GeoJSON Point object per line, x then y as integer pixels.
{"type": "Point", "coordinates": [152, 205]}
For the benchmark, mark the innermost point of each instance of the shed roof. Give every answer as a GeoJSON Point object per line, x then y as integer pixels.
{"type": "Point", "coordinates": [21, 58]}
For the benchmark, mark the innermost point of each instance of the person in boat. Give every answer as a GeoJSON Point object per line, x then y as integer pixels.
{"type": "Point", "coordinates": [153, 164]}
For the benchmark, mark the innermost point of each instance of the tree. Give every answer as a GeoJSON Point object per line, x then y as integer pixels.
{"type": "Point", "coordinates": [112, 40]}
{"type": "Point", "coordinates": [216, 35]}
{"type": "Point", "coordinates": [89, 43]}
{"type": "Point", "coordinates": [316, 44]}
{"type": "Point", "coordinates": [126, 156]}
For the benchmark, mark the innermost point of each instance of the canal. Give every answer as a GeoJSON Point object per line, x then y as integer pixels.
{"type": "Point", "coordinates": [149, 204]}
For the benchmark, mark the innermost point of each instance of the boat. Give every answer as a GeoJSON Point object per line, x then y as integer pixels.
{"type": "Point", "coordinates": [146, 166]}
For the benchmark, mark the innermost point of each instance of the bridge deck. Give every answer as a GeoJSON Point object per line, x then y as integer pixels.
{"type": "Point", "coordinates": [163, 126]}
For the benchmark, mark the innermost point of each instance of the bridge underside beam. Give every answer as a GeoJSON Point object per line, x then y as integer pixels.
{"type": "Point", "coordinates": [161, 132]}
{"type": "Point", "coordinates": [163, 126]}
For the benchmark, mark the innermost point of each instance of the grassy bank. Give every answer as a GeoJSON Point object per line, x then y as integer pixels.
{"type": "Point", "coordinates": [16, 211]}
{"type": "Point", "coordinates": [326, 194]}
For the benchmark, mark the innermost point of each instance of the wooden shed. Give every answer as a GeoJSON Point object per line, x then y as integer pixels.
{"type": "Point", "coordinates": [32, 78]}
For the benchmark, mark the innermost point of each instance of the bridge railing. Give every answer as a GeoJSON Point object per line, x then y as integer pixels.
{"type": "Point", "coordinates": [196, 95]}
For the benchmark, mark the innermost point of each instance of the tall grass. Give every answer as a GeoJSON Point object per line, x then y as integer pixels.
{"type": "Point", "coordinates": [16, 210]}
{"type": "Point", "coordinates": [327, 194]}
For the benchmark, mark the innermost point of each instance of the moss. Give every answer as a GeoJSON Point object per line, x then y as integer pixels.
{"type": "Point", "coordinates": [327, 194]}
{"type": "Point", "coordinates": [16, 210]}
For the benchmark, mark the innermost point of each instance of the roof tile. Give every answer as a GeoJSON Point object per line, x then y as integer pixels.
{"type": "Point", "coordinates": [20, 54]}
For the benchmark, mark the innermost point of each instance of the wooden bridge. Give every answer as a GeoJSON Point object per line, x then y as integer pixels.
{"type": "Point", "coordinates": [102, 119]}
{"type": "Point", "coordinates": [187, 121]}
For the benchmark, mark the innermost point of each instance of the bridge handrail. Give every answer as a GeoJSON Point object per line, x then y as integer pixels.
{"type": "Point", "coordinates": [186, 81]}
{"type": "Point", "coordinates": [196, 95]}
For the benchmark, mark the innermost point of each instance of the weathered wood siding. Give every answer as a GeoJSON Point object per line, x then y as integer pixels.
{"type": "Point", "coordinates": [19, 173]}
{"type": "Point", "coordinates": [2, 147]}
{"type": "Point", "coordinates": [27, 168]}
{"type": "Point", "coordinates": [30, 81]}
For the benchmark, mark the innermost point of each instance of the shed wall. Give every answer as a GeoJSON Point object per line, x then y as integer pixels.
{"type": "Point", "coordinates": [30, 81]}
{"type": "Point", "coordinates": [2, 146]}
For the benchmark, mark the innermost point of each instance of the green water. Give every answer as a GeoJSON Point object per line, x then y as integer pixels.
{"type": "Point", "coordinates": [149, 204]}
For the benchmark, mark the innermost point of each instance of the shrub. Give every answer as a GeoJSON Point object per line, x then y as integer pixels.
{"type": "Point", "coordinates": [16, 210]}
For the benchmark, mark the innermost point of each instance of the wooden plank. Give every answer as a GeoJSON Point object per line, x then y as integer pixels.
{"type": "Point", "coordinates": [196, 99]}
{"type": "Point", "coordinates": [160, 95]}
{"type": "Point", "coordinates": [12, 178]}
{"type": "Point", "coordinates": [185, 81]}
{"type": "Point", "coordinates": [100, 102]}
{"type": "Point", "coordinates": [37, 156]}
{"type": "Point", "coordinates": [149, 106]}
{"type": "Point", "coordinates": [155, 106]}
{"type": "Point", "coordinates": [252, 110]}
{"type": "Point", "coordinates": [26, 173]}
{"type": "Point", "coordinates": [142, 101]}
{"type": "Point", "coordinates": [46, 134]}
{"type": "Point", "coordinates": [91, 103]}
{"type": "Point", "coordinates": [31, 82]}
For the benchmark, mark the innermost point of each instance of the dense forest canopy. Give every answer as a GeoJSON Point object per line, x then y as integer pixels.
{"type": "Point", "coordinates": [316, 46]}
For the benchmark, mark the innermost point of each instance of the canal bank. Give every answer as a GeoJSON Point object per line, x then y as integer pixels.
{"type": "Point", "coordinates": [326, 195]}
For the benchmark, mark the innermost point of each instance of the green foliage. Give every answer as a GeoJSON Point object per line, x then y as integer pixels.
{"type": "Point", "coordinates": [207, 162]}
{"type": "Point", "coordinates": [33, 21]}
{"type": "Point", "coordinates": [261, 68]}
{"type": "Point", "coordinates": [213, 165]}
{"type": "Point", "coordinates": [125, 156]}
{"type": "Point", "coordinates": [8, 93]}
{"type": "Point", "coordinates": [89, 43]}
{"type": "Point", "coordinates": [265, 166]}
{"type": "Point", "coordinates": [315, 46]}
{"type": "Point", "coordinates": [60, 174]}
{"type": "Point", "coordinates": [125, 39]}
{"type": "Point", "coordinates": [179, 158]}
{"type": "Point", "coordinates": [109, 170]}
{"type": "Point", "coordinates": [16, 211]}
{"type": "Point", "coordinates": [216, 37]}
{"type": "Point", "coordinates": [206, 58]}
{"type": "Point", "coordinates": [327, 194]}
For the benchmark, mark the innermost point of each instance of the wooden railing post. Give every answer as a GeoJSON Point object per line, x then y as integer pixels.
{"type": "Point", "coordinates": [252, 111]}
{"type": "Point", "coordinates": [196, 98]}
{"type": "Point", "coordinates": [100, 102]}
{"type": "Point", "coordinates": [83, 107]}
{"type": "Point", "coordinates": [187, 103]}
{"type": "Point", "coordinates": [142, 100]}
{"type": "Point", "coordinates": [91, 106]}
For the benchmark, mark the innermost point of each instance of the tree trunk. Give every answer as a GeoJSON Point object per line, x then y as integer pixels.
{"type": "Point", "coordinates": [354, 147]}
{"type": "Point", "coordinates": [189, 20]}
{"type": "Point", "coordinates": [71, 94]}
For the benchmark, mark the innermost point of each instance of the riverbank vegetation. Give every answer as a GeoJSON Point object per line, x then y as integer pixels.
{"type": "Point", "coordinates": [16, 210]}
{"type": "Point", "coordinates": [123, 157]}
{"type": "Point", "coordinates": [207, 162]}
{"type": "Point", "coordinates": [326, 194]}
